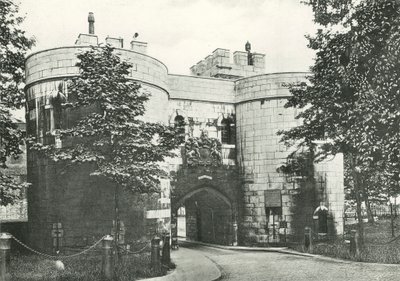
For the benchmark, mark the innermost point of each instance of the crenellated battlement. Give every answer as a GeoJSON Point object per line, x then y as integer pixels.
{"type": "Point", "coordinates": [220, 65]}
{"type": "Point", "coordinates": [229, 98]}
{"type": "Point", "coordinates": [92, 40]}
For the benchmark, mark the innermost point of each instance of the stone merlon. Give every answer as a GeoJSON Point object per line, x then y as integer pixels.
{"type": "Point", "coordinates": [219, 65]}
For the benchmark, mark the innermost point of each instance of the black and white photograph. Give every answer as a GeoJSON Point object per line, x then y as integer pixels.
{"type": "Point", "coordinates": [199, 140]}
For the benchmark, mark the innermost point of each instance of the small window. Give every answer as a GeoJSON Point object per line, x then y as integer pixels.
{"type": "Point", "coordinates": [225, 130]}
{"type": "Point", "coordinates": [228, 130]}
{"type": "Point", "coordinates": [179, 124]}
{"type": "Point", "coordinates": [57, 109]}
{"type": "Point", "coordinates": [232, 132]}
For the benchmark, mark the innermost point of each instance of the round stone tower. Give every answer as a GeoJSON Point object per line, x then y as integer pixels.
{"type": "Point", "coordinates": [67, 206]}
{"type": "Point", "coordinates": [275, 207]}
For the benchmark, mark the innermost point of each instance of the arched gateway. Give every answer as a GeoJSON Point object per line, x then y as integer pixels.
{"type": "Point", "coordinates": [226, 178]}
{"type": "Point", "coordinates": [210, 200]}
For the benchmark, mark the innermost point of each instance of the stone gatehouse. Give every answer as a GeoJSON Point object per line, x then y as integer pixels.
{"type": "Point", "coordinates": [242, 198]}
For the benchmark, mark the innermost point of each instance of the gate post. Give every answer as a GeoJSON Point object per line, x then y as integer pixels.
{"type": "Point", "coordinates": [108, 266]}
{"type": "Point", "coordinates": [354, 244]}
{"type": "Point", "coordinates": [235, 233]}
{"type": "Point", "coordinates": [5, 246]}
{"type": "Point", "coordinates": [174, 228]}
{"type": "Point", "coordinates": [155, 254]}
{"type": "Point", "coordinates": [166, 253]}
{"type": "Point", "coordinates": [308, 243]}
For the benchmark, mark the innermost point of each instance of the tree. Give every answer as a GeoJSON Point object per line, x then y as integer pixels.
{"type": "Point", "coordinates": [352, 99]}
{"type": "Point", "coordinates": [113, 136]}
{"type": "Point", "coordinates": [13, 46]}
{"type": "Point", "coordinates": [111, 132]}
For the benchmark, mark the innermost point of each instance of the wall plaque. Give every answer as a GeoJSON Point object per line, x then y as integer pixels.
{"type": "Point", "coordinates": [273, 198]}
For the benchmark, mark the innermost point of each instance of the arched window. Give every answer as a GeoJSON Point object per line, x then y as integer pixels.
{"type": "Point", "coordinates": [225, 130]}
{"type": "Point", "coordinates": [179, 124]}
{"type": "Point", "coordinates": [228, 130]}
{"type": "Point", "coordinates": [321, 215]}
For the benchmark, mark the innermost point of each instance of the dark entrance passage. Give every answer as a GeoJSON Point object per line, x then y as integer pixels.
{"type": "Point", "coordinates": [208, 217]}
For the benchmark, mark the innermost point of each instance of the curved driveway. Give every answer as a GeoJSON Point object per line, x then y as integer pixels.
{"type": "Point", "coordinates": [248, 265]}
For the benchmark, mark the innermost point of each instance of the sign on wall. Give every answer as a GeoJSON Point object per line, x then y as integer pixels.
{"type": "Point", "coordinates": [273, 198]}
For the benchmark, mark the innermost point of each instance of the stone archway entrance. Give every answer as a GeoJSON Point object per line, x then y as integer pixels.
{"type": "Point", "coordinates": [209, 217]}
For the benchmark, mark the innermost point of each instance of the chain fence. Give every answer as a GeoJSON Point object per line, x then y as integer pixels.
{"type": "Point", "coordinates": [92, 247]}
{"type": "Point", "coordinates": [111, 253]}
{"type": "Point", "coordinates": [129, 252]}
{"type": "Point", "coordinates": [58, 257]}
{"type": "Point", "coordinates": [347, 236]}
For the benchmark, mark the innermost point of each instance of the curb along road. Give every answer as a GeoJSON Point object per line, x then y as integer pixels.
{"type": "Point", "coordinates": [283, 250]}
{"type": "Point", "coordinates": [192, 265]}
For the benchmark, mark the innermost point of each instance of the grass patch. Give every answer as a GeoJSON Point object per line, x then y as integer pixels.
{"type": "Point", "coordinates": [377, 248]}
{"type": "Point", "coordinates": [82, 268]}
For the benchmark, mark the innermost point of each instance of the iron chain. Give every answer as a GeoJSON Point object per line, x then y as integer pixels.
{"type": "Point", "coordinates": [58, 257]}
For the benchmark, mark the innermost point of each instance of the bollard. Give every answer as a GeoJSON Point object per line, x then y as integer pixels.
{"type": "Point", "coordinates": [175, 244]}
{"type": "Point", "coordinates": [308, 243]}
{"type": "Point", "coordinates": [166, 253]}
{"type": "Point", "coordinates": [155, 254]}
{"type": "Point", "coordinates": [5, 246]}
{"type": "Point", "coordinates": [108, 265]}
{"type": "Point", "coordinates": [235, 234]}
{"type": "Point", "coordinates": [354, 244]}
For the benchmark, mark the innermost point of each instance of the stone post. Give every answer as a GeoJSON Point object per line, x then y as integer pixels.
{"type": "Point", "coordinates": [108, 265]}
{"type": "Point", "coordinates": [155, 253]}
{"type": "Point", "coordinates": [308, 243]}
{"type": "Point", "coordinates": [5, 246]}
{"type": "Point", "coordinates": [354, 244]}
{"type": "Point", "coordinates": [174, 228]}
{"type": "Point", "coordinates": [166, 252]}
{"type": "Point", "coordinates": [235, 233]}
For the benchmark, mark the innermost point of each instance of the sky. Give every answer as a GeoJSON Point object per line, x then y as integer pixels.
{"type": "Point", "coordinates": [180, 33]}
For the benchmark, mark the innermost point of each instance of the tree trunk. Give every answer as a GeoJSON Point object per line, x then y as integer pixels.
{"type": "Point", "coordinates": [357, 191]}
{"type": "Point", "coordinates": [116, 224]}
{"type": "Point", "coordinates": [368, 206]}
{"type": "Point", "coordinates": [391, 219]}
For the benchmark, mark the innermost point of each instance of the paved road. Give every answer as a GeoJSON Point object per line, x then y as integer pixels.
{"type": "Point", "coordinates": [246, 265]}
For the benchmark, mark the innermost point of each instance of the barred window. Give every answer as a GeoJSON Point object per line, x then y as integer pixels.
{"type": "Point", "coordinates": [179, 124]}
{"type": "Point", "coordinates": [228, 130]}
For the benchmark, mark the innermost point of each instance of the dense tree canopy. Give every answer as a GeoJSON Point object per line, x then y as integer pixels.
{"type": "Point", "coordinates": [113, 135]}
{"type": "Point", "coordinates": [13, 46]}
{"type": "Point", "coordinates": [353, 98]}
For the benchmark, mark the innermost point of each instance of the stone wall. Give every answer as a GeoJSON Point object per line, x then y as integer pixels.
{"type": "Point", "coordinates": [16, 168]}
{"type": "Point", "coordinates": [260, 114]}
{"type": "Point", "coordinates": [256, 102]}
{"type": "Point", "coordinates": [46, 68]}
{"type": "Point", "coordinates": [200, 115]}
{"type": "Point", "coordinates": [61, 62]}
{"type": "Point", "coordinates": [219, 65]}
{"type": "Point", "coordinates": [209, 219]}
{"type": "Point", "coordinates": [212, 198]}
{"type": "Point", "coordinates": [329, 176]}
{"type": "Point", "coordinates": [82, 204]}
{"type": "Point", "coordinates": [201, 89]}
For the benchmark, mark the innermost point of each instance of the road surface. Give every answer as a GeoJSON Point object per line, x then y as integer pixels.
{"type": "Point", "coordinates": [249, 265]}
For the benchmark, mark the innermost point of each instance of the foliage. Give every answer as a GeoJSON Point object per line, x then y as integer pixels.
{"type": "Point", "coordinates": [87, 267]}
{"type": "Point", "coordinates": [297, 164]}
{"type": "Point", "coordinates": [13, 46]}
{"type": "Point", "coordinates": [113, 135]}
{"type": "Point", "coordinates": [203, 151]}
{"type": "Point", "coordinates": [380, 246]}
{"type": "Point", "coordinates": [352, 99]}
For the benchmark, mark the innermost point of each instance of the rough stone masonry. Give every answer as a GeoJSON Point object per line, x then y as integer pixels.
{"type": "Point", "coordinates": [243, 200]}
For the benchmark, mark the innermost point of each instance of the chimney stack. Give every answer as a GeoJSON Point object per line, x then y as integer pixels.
{"type": "Point", "coordinates": [91, 23]}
